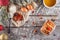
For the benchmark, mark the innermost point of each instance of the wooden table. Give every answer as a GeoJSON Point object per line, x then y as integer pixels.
{"type": "Point", "coordinates": [36, 21]}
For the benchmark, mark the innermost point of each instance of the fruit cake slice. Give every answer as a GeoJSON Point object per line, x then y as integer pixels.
{"type": "Point", "coordinates": [48, 27]}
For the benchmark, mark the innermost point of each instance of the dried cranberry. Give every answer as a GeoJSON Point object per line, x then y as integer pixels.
{"type": "Point", "coordinates": [16, 14]}
{"type": "Point", "coordinates": [17, 17]}
{"type": "Point", "coordinates": [49, 28]}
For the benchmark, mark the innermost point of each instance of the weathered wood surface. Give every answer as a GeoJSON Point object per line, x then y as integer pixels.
{"type": "Point", "coordinates": [26, 32]}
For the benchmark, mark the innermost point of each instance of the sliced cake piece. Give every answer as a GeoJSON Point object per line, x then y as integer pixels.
{"type": "Point", "coordinates": [48, 27]}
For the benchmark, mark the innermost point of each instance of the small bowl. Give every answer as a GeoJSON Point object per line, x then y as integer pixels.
{"type": "Point", "coordinates": [48, 6]}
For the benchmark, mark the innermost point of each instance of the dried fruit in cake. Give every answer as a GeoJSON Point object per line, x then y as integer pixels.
{"type": "Point", "coordinates": [48, 28]}
{"type": "Point", "coordinates": [45, 32]}
{"type": "Point", "coordinates": [24, 9]}
{"type": "Point", "coordinates": [30, 7]}
{"type": "Point", "coordinates": [17, 17]}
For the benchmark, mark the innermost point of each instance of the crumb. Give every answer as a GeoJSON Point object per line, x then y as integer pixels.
{"type": "Point", "coordinates": [26, 21]}
{"type": "Point", "coordinates": [32, 11]}
{"type": "Point", "coordinates": [41, 17]}
{"type": "Point", "coordinates": [33, 23]}
{"type": "Point", "coordinates": [35, 31]}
